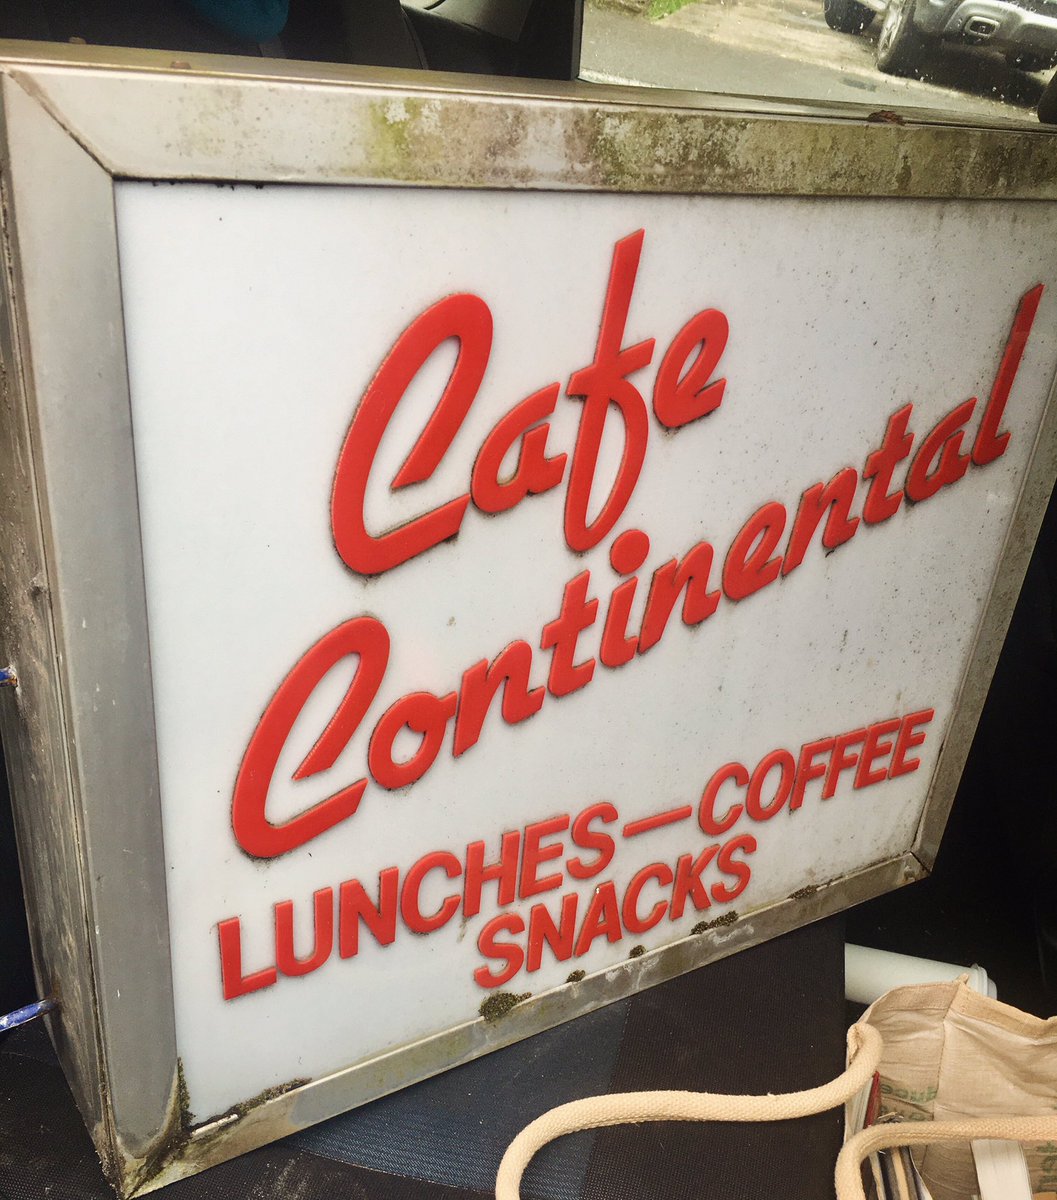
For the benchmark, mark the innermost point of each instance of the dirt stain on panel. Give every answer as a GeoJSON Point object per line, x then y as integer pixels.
{"type": "Point", "coordinates": [496, 1007]}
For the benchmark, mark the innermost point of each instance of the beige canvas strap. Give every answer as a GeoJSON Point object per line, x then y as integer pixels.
{"type": "Point", "coordinates": [926, 1133]}
{"type": "Point", "coordinates": [595, 1112]}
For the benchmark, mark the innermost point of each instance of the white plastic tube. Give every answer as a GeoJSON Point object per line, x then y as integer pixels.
{"type": "Point", "coordinates": [868, 974]}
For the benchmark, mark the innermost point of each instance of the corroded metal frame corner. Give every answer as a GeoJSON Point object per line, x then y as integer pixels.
{"type": "Point", "coordinates": [72, 600]}
{"type": "Point", "coordinates": [37, 762]}
{"type": "Point", "coordinates": [80, 727]}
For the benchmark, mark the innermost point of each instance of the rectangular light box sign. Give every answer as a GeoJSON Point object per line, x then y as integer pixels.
{"type": "Point", "coordinates": [458, 574]}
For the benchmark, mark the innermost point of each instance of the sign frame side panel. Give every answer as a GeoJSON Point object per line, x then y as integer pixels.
{"type": "Point", "coordinates": [64, 243]}
{"type": "Point", "coordinates": [31, 714]}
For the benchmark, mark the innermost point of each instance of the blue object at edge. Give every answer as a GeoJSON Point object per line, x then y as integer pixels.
{"type": "Point", "coordinates": [29, 1012]}
{"type": "Point", "coordinates": [254, 20]}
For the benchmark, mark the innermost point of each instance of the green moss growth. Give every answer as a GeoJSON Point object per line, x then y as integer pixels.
{"type": "Point", "coordinates": [719, 923]}
{"type": "Point", "coordinates": [496, 1007]}
{"type": "Point", "coordinates": [804, 892]}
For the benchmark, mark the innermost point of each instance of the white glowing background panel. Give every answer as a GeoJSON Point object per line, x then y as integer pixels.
{"type": "Point", "coordinates": [256, 318]}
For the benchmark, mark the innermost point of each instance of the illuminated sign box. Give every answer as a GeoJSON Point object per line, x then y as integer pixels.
{"type": "Point", "coordinates": [470, 555]}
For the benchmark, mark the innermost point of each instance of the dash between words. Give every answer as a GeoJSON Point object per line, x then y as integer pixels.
{"type": "Point", "coordinates": [567, 850]}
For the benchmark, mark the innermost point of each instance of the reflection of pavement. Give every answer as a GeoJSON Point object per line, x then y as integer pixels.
{"type": "Point", "coordinates": [784, 48]}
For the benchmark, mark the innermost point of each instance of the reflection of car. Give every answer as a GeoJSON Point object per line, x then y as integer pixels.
{"type": "Point", "coordinates": [1025, 30]}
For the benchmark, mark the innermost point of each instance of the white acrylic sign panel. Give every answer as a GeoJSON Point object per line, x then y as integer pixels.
{"type": "Point", "coordinates": [627, 780]}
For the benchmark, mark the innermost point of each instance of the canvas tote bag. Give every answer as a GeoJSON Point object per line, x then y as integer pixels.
{"type": "Point", "coordinates": [954, 1066]}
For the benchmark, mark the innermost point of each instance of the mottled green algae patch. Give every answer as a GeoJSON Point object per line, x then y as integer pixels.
{"type": "Point", "coordinates": [426, 139]}
{"type": "Point", "coordinates": [353, 126]}
{"type": "Point", "coordinates": [710, 152]}
{"type": "Point", "coordinates": [681, 143]}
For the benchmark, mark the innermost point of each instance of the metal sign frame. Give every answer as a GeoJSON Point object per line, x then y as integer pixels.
{"type": "Point", "coordinates": [79, 729]}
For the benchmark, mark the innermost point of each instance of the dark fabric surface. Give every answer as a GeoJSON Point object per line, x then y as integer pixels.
{"type": "Point", "coordinates": [769, 1019]}
{"type": "Point", "coordinates": [452, 1129]}
{"type": "Point", "coordinates": [45, 1151]}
